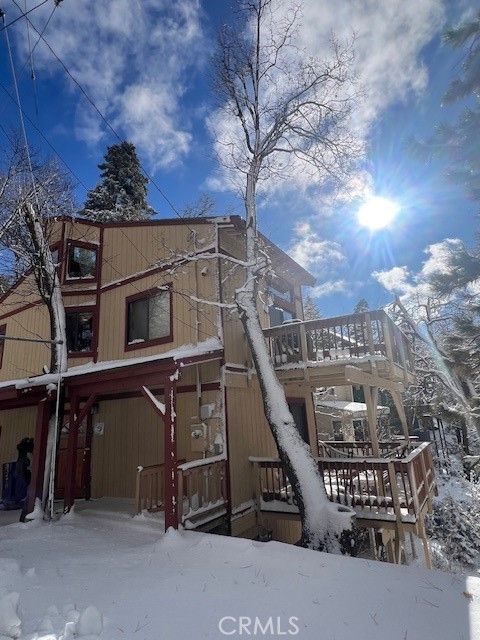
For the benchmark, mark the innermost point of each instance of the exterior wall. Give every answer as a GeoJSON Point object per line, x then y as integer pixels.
{"type": "Point", "coordinates": [16, 424]}
{"type": "Point", "coordinates": [249, 433]}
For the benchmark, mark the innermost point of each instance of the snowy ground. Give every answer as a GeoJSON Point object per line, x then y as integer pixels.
{"type": "Point", "coordinates": [142, 585]}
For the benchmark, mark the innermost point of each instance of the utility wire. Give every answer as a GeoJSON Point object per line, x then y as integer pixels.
{"type": "Point", "coordinates": [20, 111]}
{"type": "Point", "coordinates": [23, 14]}
{"type": "Point", "coordinates": [102, 116]}
{"type": "Point", "coordinates": [45, 139]}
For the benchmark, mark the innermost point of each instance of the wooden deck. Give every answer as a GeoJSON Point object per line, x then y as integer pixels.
{"type": "Point", "coordinates": [341, 340]}
{"type": "Point", "coordinates": [398, 486]}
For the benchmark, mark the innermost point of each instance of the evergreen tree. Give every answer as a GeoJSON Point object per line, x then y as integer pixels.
{"type": "Point", "coordinates": [121, 195]}
{"type": "Point", "coordinates": [311, 310]}
{"type": "Point", "coordinates": [361, 306]}
{"type": "Point", "coordinates": [457, 142]}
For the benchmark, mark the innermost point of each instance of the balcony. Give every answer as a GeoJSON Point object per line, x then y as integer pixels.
{"type": "Point", "coordinates": [340, 339]}
{"type": "Point", "coordinates": [392, 491]}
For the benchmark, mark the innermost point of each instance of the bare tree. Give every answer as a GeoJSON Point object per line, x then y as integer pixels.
{"type": "Point", "coordinates": [287, 111]}
{"type": "Point", "coordinates": [446, 355]}
{"type": "Point", "coordinates": [31, 197]}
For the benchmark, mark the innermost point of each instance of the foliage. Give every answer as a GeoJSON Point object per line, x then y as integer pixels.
{"type": "Point", "coordinates": [311, 310]}
{"type": "Point", "coordinates": [121, 194]}
{"type": "Point", "coordinates": [361, 306]}
{"type": "Point", "coordinates": [457, 142]}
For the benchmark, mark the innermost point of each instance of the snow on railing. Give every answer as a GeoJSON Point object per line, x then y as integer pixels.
{"type": "Point", "coordinates": [390, 487]}
{"type": "Point", "coordinates": [202, 487]}
{"type": "Point", "coordinates": [372, 333]}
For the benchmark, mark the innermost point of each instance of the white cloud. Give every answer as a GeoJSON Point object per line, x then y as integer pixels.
{"type": "Point", "coordinates": [390, 37]}
{"type": "Point", "coordinates": [132, 57]}
{"type": "Point", "coordinates": [395, 280]}
{"type": "Point", "coordinates": [312, 252]}
{"type": "Point", "coordinates": [333, 286]}
{"type": "Point", "coordinates": [403, 282]}
{"type": "Point", "coordinates": [439, 254]}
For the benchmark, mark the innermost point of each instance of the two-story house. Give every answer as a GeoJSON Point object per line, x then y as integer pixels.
{"type": "Point", "coordinates": [163, 406]}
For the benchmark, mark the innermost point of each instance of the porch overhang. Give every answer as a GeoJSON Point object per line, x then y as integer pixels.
{"type": "Point", "coordinates": [115, 376]}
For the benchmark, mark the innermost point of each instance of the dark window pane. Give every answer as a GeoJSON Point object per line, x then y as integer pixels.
{"type": "Point", "coordinates": [3, 332]}
{"type": "Point", "coordinates": [81, 262]}
{"type": "Point", "coordinates": [159, 316]}
{"type": "Point", "coordinates": [149, 318]}
{"type": "Point", "coordinates": [79, 331]}
{"type": "Point", "coordinates": [138, 320]}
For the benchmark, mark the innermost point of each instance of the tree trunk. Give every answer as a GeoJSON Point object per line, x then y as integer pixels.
{"type": "Point", "coordinates": [322, 521]}
{"type": "Point", "coordinates": [48, 284]}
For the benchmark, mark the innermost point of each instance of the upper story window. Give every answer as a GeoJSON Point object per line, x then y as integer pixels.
{"type": "Point", "coordinates": [3, 332]}
{"type": "Point", "coordinates": [79, 331]}
{"type": "Point", "coordinates": [149, 318]}
{"type": "Point", "coordinates": [81, 261]}
{"type": "Point", "coordinates": [281, 303]}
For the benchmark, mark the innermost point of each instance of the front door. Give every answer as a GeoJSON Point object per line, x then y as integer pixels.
{"type": "Point", "coordinates": [298, 410]}
{"type": "Point", "coordinates": [82, 472]}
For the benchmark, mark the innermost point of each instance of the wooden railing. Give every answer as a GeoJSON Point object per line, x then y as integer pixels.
{"type": "Point", "coordinates": [150, 488]}
{"type": "Point", "coordinates": [375, 487]}
{"type": "Point", "coordinates": [352, 336]}
{"type": "Point", "coordinates": [202, 487]}
{"type": "Point", "coordinates": [341, 448]}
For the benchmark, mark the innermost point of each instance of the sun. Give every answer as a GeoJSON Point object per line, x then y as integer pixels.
{"type": "Point", "coordinates": [377, 213]}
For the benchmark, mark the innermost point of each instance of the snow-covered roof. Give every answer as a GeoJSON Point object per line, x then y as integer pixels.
{"type": "Point", "coordinates": [177, 355]}
{"type": "Point", "coordinates": [357, 409]}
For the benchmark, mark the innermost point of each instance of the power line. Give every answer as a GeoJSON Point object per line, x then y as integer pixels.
{"type": "Point", "coordinates": [102, 116]}
{"type": "Point", "coordinates": [20, 111]}
{"type": "Point", "coordinates": [23, 14]}
{"type": "Point", "coordinates": [45, 139]}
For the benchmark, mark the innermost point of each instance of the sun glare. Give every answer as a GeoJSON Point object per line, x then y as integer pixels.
{"type": "Point", "coordinates": [377, 213]}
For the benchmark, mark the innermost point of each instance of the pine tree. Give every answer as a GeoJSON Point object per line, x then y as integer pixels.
{"type": "Point", "coordinates": [311, 310]}
{"type": "Point", "coordinates": [457, 142]}
{"type": "Point", "coordinates": [121, 195]}
{"type": "Point", "coordinates": [361, 306]}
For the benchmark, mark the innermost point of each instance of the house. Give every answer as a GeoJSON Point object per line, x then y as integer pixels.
{"type": "Point", "coordinates": [341, 414]}
{"type": "Point", "coordinates": [163, 406]}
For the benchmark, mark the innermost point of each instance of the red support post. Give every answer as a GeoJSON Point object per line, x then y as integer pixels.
{"type": "Point", "coordinates": [35, 489]}
{"type": "Point", "coordinates": [170, 448]}
{"type": "Point", "coordinates": [71, 463]}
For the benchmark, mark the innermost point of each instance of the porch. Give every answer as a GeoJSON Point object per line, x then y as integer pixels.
{"type": "Point", "coordinates": [392, 491]}
{"type": "Point", "coordinates": [163, 414]}
{"type": "Point", "coordinates": [332, 342]}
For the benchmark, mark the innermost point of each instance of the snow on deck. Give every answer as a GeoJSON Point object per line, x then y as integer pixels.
{"type": "Point", "coordinates": [117, 577]}
{"type": "Point", "coordinates": [347, 406]}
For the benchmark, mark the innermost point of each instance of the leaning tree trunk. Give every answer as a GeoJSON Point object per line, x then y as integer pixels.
{"type": "Point", "coordinates": [48, 284]}
{"type": "Point", "coordinates": [322, 521]}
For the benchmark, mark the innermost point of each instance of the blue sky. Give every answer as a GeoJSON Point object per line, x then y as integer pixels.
{"type": "Point", "coordinates": [147, 66]}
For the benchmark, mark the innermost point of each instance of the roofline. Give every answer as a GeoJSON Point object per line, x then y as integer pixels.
{"type": "Point", "coordinates": [308, 278]}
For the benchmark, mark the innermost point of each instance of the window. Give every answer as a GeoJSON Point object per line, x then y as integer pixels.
{"type": "Point", "coordinates": [338, 430]}
{"type": "Point", "coordinates": [82, 262]}
{"type": "Point", "coordinates": [149, 318]}
{"type": "Point", "coordinates": [79, 331]}
{"type": "Point", "coordinates": [3, 332]}
{"type": "Point", "coordinates": [281, 306]}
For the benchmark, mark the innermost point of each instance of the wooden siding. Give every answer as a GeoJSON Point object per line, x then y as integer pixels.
{"type": "Point", "coordinates": [133, 435]}
{"type": "Point", "coordinates": [16, 424]}
{"type": "Point", "coordinates": [249, 434]}
{"type": "Point", "coordinates": [22, 359]}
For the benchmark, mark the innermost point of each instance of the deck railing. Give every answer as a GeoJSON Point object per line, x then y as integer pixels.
{"type": "Point", "coordinates": [150, 488]}
{"type": "Point", "coordinates": [341, 449]}
{"type": "Point", "coordinates": [202, 488]}
{"type": "Point", "coordinates": [352, 336]}
{"type": "Point", "coordinates": [375, 487]}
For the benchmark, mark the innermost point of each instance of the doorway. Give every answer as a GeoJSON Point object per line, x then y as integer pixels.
{"type": "Point", "coordinates": [298, 409]}
{"type": "Point", "coordinates": [84, 455]}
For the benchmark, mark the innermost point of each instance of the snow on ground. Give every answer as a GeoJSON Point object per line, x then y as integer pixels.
{"type": "Point", "coordinates": [96, 574]}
